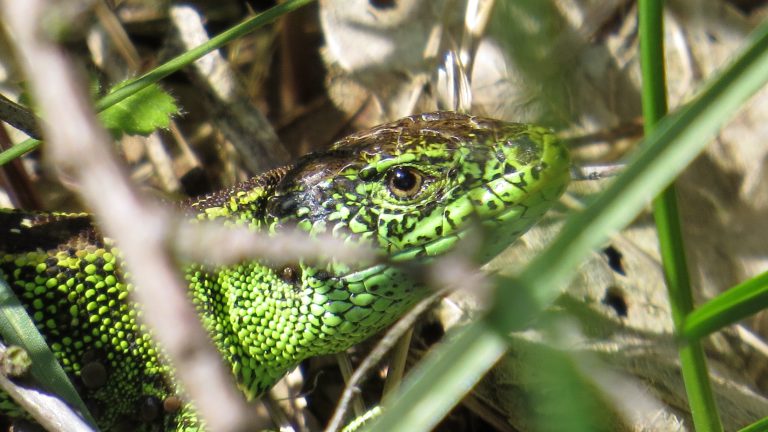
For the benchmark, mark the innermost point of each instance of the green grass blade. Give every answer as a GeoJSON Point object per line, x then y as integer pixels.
{"type": "Point", "coordinates": [727, 308]}
{"type": "Point", "coordinates": [153, 76]}
{"type": "Point", "coordinates": [677, 139]}
{"type": "Point", "coordinates": [192, 55]}
{"type": "Point", "coordinates": [429, 392]}
{"type": "Point", "coordinates": [758, 426]}
{"type": "Point", "coordinates": [673, 144]}
{"type": "Point", "coordinates": [17, 150]}
{"type": "Point", "coordinates": [665, 212]}
{"type": "Point", "coordinates": [17, 328]}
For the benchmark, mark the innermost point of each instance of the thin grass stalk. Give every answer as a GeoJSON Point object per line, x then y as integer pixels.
{"type": "Point", "coordinates": [434, 387]}
{"type": "Point", "coordinates": [665, 212]}
{"type": "Point", "coordinates": [132, 87]}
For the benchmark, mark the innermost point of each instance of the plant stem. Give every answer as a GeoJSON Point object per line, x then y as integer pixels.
{"type": "Point", "coordinates": [665, 212]}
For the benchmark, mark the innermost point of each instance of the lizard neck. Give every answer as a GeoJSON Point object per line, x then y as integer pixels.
{"type": "Point", "coordinates": [265, 321]}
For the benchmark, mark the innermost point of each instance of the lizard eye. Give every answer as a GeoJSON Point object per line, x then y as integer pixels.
{"type": "Point", "coordinates": [404, 182]}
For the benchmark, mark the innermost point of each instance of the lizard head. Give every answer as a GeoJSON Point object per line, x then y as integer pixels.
{"type": "Point", "coordinates": [414, 187]}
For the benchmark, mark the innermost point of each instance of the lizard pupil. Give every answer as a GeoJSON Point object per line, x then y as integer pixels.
{"type": "Point", "coordinates": [404, 182]}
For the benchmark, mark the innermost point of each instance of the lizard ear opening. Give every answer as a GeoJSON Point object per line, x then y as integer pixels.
{"type": "Point", "coordinates": [283, 207]}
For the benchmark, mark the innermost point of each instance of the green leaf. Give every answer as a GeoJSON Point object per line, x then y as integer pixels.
{"type": "Point", "coordinates": [17, 328]}
{"type": "Point", "coordinates": [141, 113]}
{"type": "Point", "coordinates": [729, 307]}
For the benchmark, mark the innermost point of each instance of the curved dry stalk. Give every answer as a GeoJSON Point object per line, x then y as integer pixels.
{"type": "Point", "coordinates": [49, 411]}
{"type": "Point", "coordinates": [78, 146]}
{"type": "Point", "coordinates": [385, 344]}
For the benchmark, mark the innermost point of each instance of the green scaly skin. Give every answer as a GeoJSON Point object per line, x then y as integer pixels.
{"type": "Point", "coordinates": [411, 188]}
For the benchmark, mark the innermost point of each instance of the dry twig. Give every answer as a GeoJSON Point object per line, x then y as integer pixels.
{"type": "Point", "coordinates": [234, 114]}
{"type": "Point", "coordinates": [77, 145]}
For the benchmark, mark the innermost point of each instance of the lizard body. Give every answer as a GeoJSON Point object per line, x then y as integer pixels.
{"type": "Point", "coordinates": [411, 188]}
